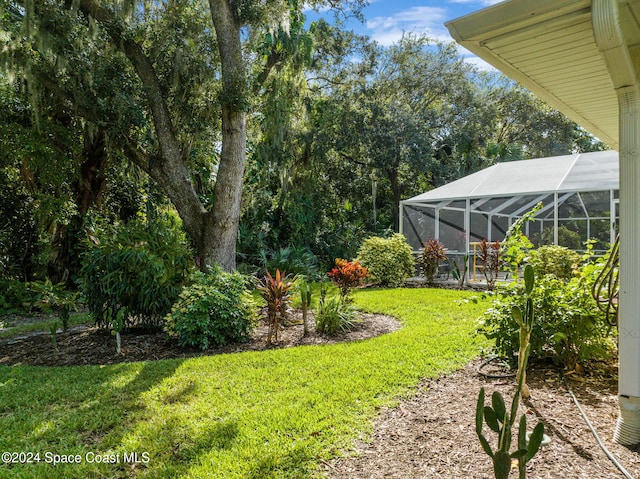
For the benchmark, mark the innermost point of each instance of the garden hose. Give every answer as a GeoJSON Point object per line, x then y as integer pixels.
{"type": "Point", "coordinates": [486, 362]}
{"type": "Point", "coordinates": [595, 434]}
{"type": "Point", "coordinates": [608, 280]}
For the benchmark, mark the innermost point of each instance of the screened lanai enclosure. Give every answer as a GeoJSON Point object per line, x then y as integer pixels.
{"type": "Point", "coordinates": [579, 196]}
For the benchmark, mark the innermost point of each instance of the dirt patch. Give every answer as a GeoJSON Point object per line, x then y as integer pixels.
{"type": "Point", "coordinates": [83, 345]}
{"type": "Point", "coordinates": [432, 435]}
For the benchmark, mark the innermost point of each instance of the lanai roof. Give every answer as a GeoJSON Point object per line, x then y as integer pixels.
{"type": "Point", "coordinates": [596, 171]}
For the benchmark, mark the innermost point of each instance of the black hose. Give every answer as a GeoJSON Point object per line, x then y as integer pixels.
{"type": "Point", "coordinates": [595, 434]}
{"type": "Point", "coordinates": [495, 375]}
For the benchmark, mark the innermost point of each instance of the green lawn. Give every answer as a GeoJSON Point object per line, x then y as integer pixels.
{"type": "Point", "coordinates": [42, 325]}
{"type": "Point", "coordinates": [260, 415]}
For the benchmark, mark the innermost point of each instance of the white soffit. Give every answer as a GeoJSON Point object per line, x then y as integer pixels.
{"type": "Point", "coordinates": [548, 46]}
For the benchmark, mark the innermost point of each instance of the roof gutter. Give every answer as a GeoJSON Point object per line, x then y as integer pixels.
{"type": "Point", "coordinates": [611, 42]}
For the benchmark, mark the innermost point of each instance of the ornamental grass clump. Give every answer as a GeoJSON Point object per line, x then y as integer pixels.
{"type": "Point", "coordinates": [334, 316]}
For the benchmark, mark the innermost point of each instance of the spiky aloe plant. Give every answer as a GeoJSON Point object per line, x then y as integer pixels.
{"type": "Point", "coordinates": [496, 416]}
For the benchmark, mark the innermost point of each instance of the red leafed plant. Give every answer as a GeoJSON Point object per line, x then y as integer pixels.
{"type": "Point", "coordinates": [434, 252]}
{"type": "Point", "coordinates": [276, 292]}
{"type": "Point", "coordinates": [490, 257]}
{"type": "Point", "coordinates": [347, 275]}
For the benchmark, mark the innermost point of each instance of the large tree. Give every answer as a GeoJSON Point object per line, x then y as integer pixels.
{"type": "Point", "coordinates": [165, 84]}
{"type": "Point", "coordinates": [389, 121]}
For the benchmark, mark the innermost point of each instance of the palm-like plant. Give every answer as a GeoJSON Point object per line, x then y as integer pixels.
{"type": "Point", "coordinates": [276, 292]}
{"type": "Point", "coordinates": [433, 252]}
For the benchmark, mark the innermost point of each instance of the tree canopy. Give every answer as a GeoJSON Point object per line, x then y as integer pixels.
{"type": "Point", "coordinates": [262, 130]}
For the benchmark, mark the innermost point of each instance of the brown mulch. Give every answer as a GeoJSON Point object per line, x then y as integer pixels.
{"type": "Point", "coordinates": [432, 434]}
{"type": "Point", "coordinates": [84, 345]}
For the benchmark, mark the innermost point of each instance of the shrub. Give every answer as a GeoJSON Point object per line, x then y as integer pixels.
{"type": "Point", "coordinates": [347, 275]}
{"type": "Point", "coordinates": [388, 260]}
{"type": "Point", "coordinates": [135, 274]}
{"type": "Point", "coordinates": [569, 328]}
{"type": "Point", "coordinates": [49, 297]}
{"type": "Point", "coordinates": [216, 308]}
{"type": "Point", "coordinates": [334, 315]}
{"type": "Point", "coordinates": [556, 260]}
{"type": "Point", "coordinates": [15, 296]}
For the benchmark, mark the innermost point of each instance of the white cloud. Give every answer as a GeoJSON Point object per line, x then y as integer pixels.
{"type": "Point", "coordinates": [475, 60]}
{"type": "Point", "coordinates": [420, 20]}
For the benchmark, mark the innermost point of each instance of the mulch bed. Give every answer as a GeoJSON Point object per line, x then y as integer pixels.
{"type": "Point", "coordinates": [432, 434]}
{"type": "Point", "coordinates": [89, 345]}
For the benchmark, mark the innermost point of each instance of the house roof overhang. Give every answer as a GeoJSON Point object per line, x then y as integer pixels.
{"type": "Point", "coordinates": [550, 48]}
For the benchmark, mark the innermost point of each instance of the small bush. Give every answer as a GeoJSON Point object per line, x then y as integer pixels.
{"type": "Point", "coordinates": [347, 275]}
{"type": "Point", "coordinates": [334, 316]}
{"type": "Point", "coordinates": [569, 328]}
{"type": "Point", "coordinates": [15, 296]}
{"type": "Point", "coordinates": [135, 274]}
{"type": "Point", "coordinates": [215, 309]}
{"type": "Point", "coordinates": [556, 260]}
{"type": "Point", "coordinates": [388, 260]}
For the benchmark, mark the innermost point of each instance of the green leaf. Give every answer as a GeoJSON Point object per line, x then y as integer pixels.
{"type": "Point", "coordinates": [516, 313]}
{"type": "Point", "coordinates": [491, 419]}
{"type": "Point", "coordinates": [529, 279]}
{"type": "Point", "coordinates": [522, 432]}
{"type": "Point", "coordinates": [485, 445]}
{"type": "Point", "coordinates": [501, 465]}
{"type": "Point", "coordinates": [518, 454]}
{"type": "Point", "coordinates": [535, 440]}
{"type": "Point", "coordinates": [480, 411]}
{"type": "Point", "coordinates": [498, 406]}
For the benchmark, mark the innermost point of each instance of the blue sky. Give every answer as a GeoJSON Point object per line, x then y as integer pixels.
{"type": "Point", "coordinates": [386, 20]}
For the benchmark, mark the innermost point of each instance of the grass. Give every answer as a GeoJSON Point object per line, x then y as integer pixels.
{"type": "Point", "coordinates": [43, 325]}
{"type": "Point", "coordinates": [269, 414]}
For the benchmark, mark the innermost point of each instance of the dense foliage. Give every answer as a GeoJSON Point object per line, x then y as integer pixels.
{"type": "Point", "coordinates": [134, 275]}
{"type": "Point", "coordinates": [559, 261]}
{"type": "Point", "coordinates": [389, 260]}
{"type": "Point", "coordinates": [332, 144]}
{"type": "Point", "coordinates": [214, 309]}
{"type": "Point", "coordinates": [569, 328]}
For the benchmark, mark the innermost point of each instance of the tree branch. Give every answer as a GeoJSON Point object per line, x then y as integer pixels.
{"type": "Point", "coordinates": [122, 39]}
